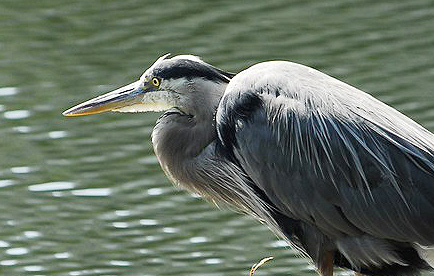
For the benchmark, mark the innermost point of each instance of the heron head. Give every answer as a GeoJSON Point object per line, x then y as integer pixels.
{"type": "Point", "coordinates": [185, 82]}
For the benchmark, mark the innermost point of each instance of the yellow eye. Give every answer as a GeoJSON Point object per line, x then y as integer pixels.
{"type": "Point", "coordinates": [156, 82]}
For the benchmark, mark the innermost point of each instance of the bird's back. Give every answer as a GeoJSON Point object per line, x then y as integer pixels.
{"type": "Point", "coordinates": [348, 167]}
{"type": "Point", "coordinates": [306, 89]}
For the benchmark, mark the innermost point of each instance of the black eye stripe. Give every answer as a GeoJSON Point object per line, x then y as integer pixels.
{"type": "Point", "coordinates": [184, 68]}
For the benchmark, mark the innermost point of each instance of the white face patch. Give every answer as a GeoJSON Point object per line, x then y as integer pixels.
{"type": "Point", "coordinates": [144, 107]}
{"type": "Point", "coordinates": [152, 101]}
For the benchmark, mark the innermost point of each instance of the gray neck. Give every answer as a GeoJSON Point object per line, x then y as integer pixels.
{"type": "Point", "coordinates": [180, 136]}
{"type": "Point", "coordinates": [185, 147]}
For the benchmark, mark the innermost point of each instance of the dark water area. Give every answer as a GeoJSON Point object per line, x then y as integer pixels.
{"type": "Point", "coordinates": [86, 196]}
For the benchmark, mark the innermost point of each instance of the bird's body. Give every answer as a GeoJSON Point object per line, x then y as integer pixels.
{"type": "Point", "coordinates": [342, 176]}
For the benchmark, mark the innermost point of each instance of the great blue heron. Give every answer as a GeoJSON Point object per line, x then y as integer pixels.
{"type": "Point", "coordinates": [345, 178]}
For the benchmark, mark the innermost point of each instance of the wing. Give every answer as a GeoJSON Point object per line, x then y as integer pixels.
{"type": "Point", "coordinates": [328, 154]}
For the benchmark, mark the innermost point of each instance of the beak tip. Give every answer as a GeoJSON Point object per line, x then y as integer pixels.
{"type": "Point", "coordinates": [67, 113]}
{"type": "Point", "coordinates": [72, 112]}
{"type": "Point", "coordinates": [121, 97]}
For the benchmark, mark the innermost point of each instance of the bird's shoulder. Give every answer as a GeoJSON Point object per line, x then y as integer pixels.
{"type": "Point", "coordinates": [281, 88]}
{"type": "Point", "coordinates": [288, 93]}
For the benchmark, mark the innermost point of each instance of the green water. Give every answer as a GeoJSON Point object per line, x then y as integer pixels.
{"type": "Point", "coordinates": [86, 196]}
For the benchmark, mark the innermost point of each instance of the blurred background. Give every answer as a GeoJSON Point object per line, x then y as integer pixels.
{"type": "Point", "coordinates": [86, 196]}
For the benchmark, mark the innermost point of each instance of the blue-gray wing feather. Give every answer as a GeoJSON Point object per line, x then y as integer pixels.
{"type": "Point", "coordinates": [339, 165]}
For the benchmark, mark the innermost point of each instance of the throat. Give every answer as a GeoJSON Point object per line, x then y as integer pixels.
{"type": "Point", "coordinates": [178, 139]}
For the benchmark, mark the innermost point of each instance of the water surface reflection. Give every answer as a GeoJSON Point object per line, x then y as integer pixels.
{"type": "Point", "coordinates": [86, 196]}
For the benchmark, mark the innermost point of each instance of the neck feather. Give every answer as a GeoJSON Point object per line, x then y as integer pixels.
{"type": "Point", "coordinates": [178, 139]}
{"type": "Point", "coordinates": [185, 148]}
{"type": "Point", "coordinates": [182, 134]}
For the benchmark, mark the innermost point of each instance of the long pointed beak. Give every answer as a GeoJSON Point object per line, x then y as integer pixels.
{"type": "Point", "coordinates": [128, 95]}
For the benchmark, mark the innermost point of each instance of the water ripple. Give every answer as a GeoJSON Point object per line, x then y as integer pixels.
{"type": "Point", "coordinates": [213, 261]}
{"type": "Point", "coordinates": [8, 262]}
{"type": "Point", "coordinates": [4, 244]}
{"type": "Point", "coordinates": [155, 191]}
{"type": "Point", "coordinates": [198, 239]}
{"type": "Point", "coordinates": [52, 186]}
{"type": "Point", "coordinates": [17, 251]}
{"type": "Point", "coordinates": [93, 192]}
{"type": "Point", "coordinates": [122, 213]}
{"type": "Point", "coordinates": [148, 222]}
{"type": "Point", "coordinates": [33, 268]}
{"type": "Point", "coordinates": [23, 169]}
{"type": "Point", "coordinates": [8, 91]}
{"type": "Point", "coordinates": [16, 114]}
{"type": "Point", "coordinates": [6, 182]}
{"type": "Point", "coordinates": [120, 263]}
{"type": "Point", "coordinates": [62, 255]}
{"type": "Point", "coordinates": [120, 224]}
{"type": "Point", "coordinates": [86, 196]}
{"type": "Point", "coordinates": [57, 134]}
{"type": "Point", "coordinates": [32, 234]}
{"type": "Point", "coordinates": [22, 129]}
